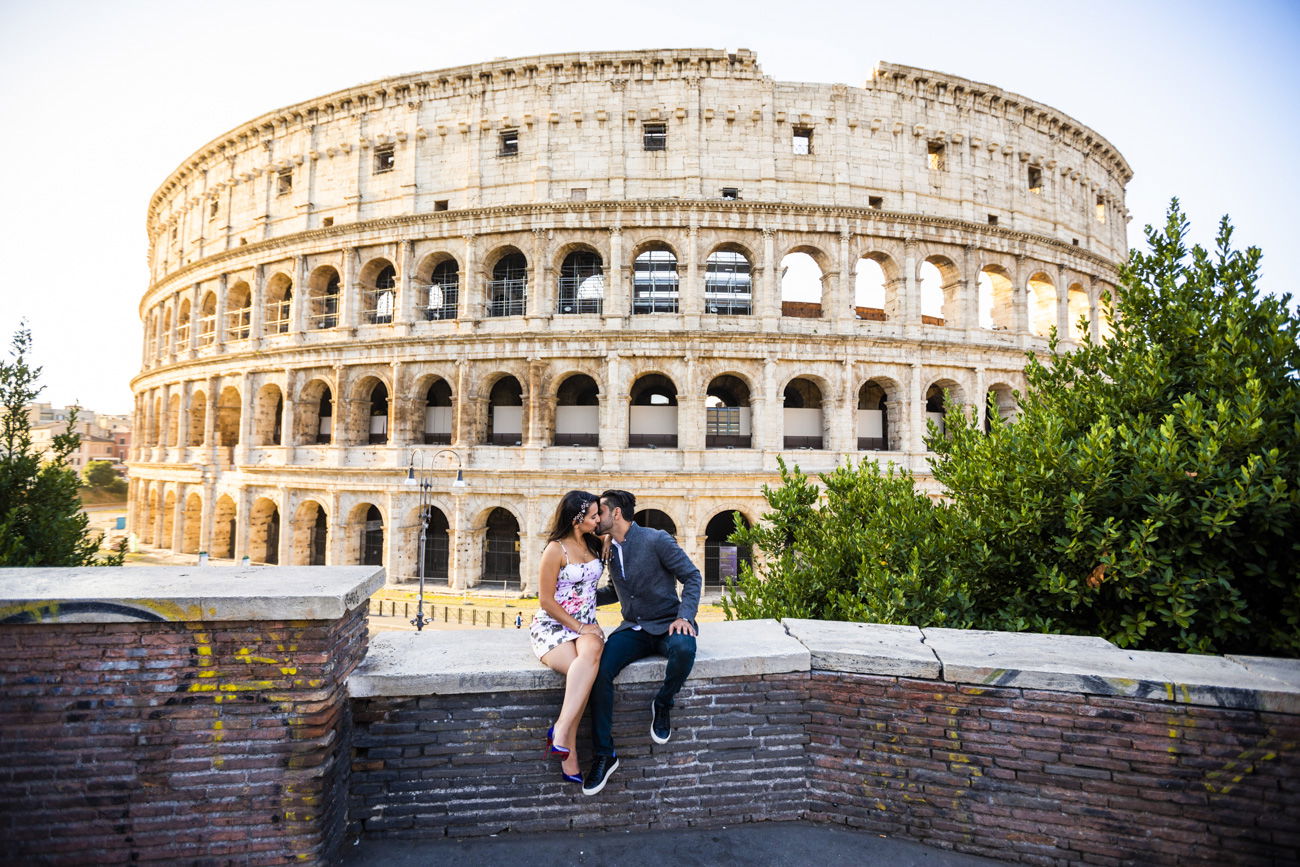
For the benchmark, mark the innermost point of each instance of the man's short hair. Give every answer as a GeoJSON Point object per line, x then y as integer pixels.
{"type": "Point", "coordinates": [624, 501]}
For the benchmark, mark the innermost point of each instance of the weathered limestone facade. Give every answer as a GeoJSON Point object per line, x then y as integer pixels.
{"type": "Point", "coordinates": [567, 271]}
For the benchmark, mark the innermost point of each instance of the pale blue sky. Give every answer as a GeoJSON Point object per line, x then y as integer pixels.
{"type": "Point", "coordinates": [101, 100]}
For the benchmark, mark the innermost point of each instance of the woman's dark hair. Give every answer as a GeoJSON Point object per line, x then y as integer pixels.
{"type": "Point", "coordinates": [573, 506]}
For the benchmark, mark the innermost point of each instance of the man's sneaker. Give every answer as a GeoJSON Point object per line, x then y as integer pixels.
{"type": "Point", "coordinates": [660, 727]}
{"type": "Point", "coordinates": [601, 770]}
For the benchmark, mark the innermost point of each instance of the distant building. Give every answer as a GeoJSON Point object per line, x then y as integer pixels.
{"type": "Point", "coordinates": [104, 436]}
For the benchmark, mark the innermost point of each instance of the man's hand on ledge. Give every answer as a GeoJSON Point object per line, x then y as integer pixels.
{"type": "Point", "coordinates": [681, 627]}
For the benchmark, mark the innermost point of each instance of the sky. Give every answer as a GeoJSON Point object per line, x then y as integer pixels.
{"type": "Point", "coordinates": [102, 99]}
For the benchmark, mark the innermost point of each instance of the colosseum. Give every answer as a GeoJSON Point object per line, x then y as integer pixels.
{"type": "Point", "coordinates": [392, 324]}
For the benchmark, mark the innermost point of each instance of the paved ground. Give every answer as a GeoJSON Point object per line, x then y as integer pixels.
{"type": "Point", "coordinates": [770, 844]}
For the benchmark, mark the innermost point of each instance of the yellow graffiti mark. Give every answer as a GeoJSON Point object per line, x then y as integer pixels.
{"type": "Point", "coordinates": [1224, 779]}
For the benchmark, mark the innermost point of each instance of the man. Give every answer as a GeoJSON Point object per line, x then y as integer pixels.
{"type": "Point", "coordinates": [645, 566]}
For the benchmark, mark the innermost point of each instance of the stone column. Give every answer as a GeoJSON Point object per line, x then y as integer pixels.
{"type": "Point", "coordinates": [970, 307]}
{"type": "Point", "coordinates": [534, 433]}
{"type": "Point", "coordinates": [243, 505]}
{"type": "Point", "coordinates": [257, 303]}
{"type": "Point", "coordinates": [287, 506]}
{"type": "Point", "coordinates": [617, 288]}
{"type": "Point", "coordinates": [299, 302]}
{"type": "Point", "coordinates": [397, 565]}
{"type": "Point", "coordinates": [841, 293]}
{"type": "Point", "coordinates": [247, 409]}
{"type": "Point", "coordinates": [910, 306]}
{"type": "Point", "coordinates": [338, 528]}
{"type": "Point", "coordinates": [405, 313]}
{"type": "Point", "coordinates": [350, 292]}
{"type": "Point", "coordinates": [462, 407]}
{"type": "Point", "coordinates": [690, 292]}
{"type": "Point", "coordinates": [981, 397]}
{"type": "Point", "coordinates": [289, 420]}
{"type": "Point", "coordinates": [178, 520]}
{"type": "Point", "coordinates": [842, 428]}
{"type": "Point", "coordinates": [916, 410]}
{"type": "Point", "coordinates": [1020, 298]}
{"type": "Point", "coordinates": [540, 300]}
{"type": "Point", "coordinates": [690, 415]}
{"type": "Point", "coordinates": [210, 420]}
{"type": "Point", "coordinates": [1062, 304]}
{"type": "Point", "coordinates": [614, 411]}
{"type": "Point", "coordinates": [219, 322]}
{"type": "Point", "coordinates": [767, 291]}
{"type": "Point", "coordinates": [471, 296]}
{"type": "Point", "coordinates": [766, 421]}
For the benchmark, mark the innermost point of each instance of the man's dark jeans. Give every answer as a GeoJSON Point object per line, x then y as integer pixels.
{"type": "Point", "coordinates": [622, 649]}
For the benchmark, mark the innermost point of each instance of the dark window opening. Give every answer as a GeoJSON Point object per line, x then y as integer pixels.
{"type": "Point", "coordinates": [440, 205]}
{"type": "Point", "coordinates": [654, 282]}
{"type": "Point", "coordinates": [372, 539]}
{"type": "Point", "coordinates": [444, 292]}
{"type": "Point", "coordinates": [508, 287]}
{"type": "Point", "coordinates": [385, 159]}
{"type": "Point", "coordinates": [383, 296]}
{"type": "Point", "coordinates": [727, 284]}
{"type": "Point", "coordinates": [993, 219]}
{"type": "Point", "coordinates": [213, 207]}
{"type": "Point", "coordinates": [582, 283]}
{"type": "Point", "coordinates": [377, 428]}
{"type": "Point", "coordinates": [654, 136]}
{"type": "Point", "coordinates": [731, 192]}
{"type": "Point", "coordinates": [875, 202]}
{"type": "Point", "coordinates": [1035, 180]}
{"type": "Point", "coordinates": [327, 222]}
{"type": "Point", "coordinates": [509, 145]}
{"type": "Point", "coordinates": [284, 182]}
{"type": "Point", "coordinates": [803, 144]}
{"type": "Point", "coordinates": [937, 155]}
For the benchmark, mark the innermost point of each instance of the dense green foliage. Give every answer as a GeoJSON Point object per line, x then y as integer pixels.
{"type": "Point", "coordinates": [41, 522]}
{"type": "Point", "coordinates": [1148, 492]}
{"type": "Point", "coordinates": [100, 476]}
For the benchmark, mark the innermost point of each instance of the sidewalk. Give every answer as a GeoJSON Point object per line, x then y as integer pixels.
{"type": "Point", "coordinates": [768, 844]}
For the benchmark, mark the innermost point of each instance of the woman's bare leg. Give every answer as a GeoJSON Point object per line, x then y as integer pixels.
{"type": "Point", "coordinates": [578, 680]}
{"type": "Point", "coordinates": [561, 659]}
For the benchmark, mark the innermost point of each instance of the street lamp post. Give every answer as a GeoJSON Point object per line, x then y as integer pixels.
{"type": "Point", "coordinates": [420, 475]}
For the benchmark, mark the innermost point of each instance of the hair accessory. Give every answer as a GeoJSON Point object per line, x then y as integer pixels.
{"type": "Point", "coordinates": [582, 509]}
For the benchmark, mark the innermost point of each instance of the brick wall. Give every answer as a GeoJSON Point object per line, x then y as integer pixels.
{"type": "Point", "coordinates": [175, 741]}
{"type": "Point", "coordinates": [474, 764]}
{"type": "Point", "coordinates": [1046, 777]}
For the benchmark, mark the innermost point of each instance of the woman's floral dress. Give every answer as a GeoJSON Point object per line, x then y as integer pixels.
{"type": "Point", "coordinates": [575, 590]}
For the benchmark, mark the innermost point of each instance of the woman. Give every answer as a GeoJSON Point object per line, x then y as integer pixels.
{"type": "Point", "coordinates": [564, 632]}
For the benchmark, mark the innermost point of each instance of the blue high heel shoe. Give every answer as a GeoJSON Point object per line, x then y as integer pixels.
{"type": "Point", "coordinates": [552, 747]}
{"type": "Point", "coordinates": [571, 778]}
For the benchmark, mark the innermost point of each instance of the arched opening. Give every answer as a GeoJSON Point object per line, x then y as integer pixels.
{"type": "Point", "coordinates": [208, 320]}
{"type": "Point", "coordinates": [577, 412]}
{"type": "Point", "coordinates": [802, 414]}
{"type": "Point", "coordinates": [935, 410]}
{"type": "Point", "coordinates": [723, 559]}
{"type": "Point", "coordinates": [870, 290]}
{"type": "Point", "coordinates": [873, 417]}
{"type": "Point", "coordinates": [1000, 401]}
{"type": "Point", "coordinates": [370, 541]}
{"type": "Point", "coordinates": [508, 288]}
{"type": "Point", "coordinates": [727, 414]}
{"type": "Point", "coordinates": [268, 416]}
{"type": "Point", "coordinates": [437, 547]}
{"type": "Point", "coordinates": [652, 413]}
{"type": "Point", "coordinates": [192, 528]}
{"type": "Point", "coordinates": [582, 283]}
{"type": "Point", "coordinates": [155, 423]}
{"type": "Point", "coordinates": [264, 532]}
{"type": "Point", "coordinates": [377, 415]}
{"type": "Point", "coordinates": [198, 418]}
{"type": "Point", "coordinates": [437, 413]}
{"type": "Point", "coordinates": [310, 535]}
{"type": "Point", "coordinates": [168, 520]}
{"type": "Point", "coordinates": [1042, 305]}
{"type": "Point", "coordinates": [239, 311]}
{"type": "Point", "coordinates": [228, 410]}
{"type": "Point", "coordinates": [223, 529]}
{"type": "Point", "coordinates": [316, 416]}
{"type": "Point", "coordinates": [279, 301]}
{"type": "Point", "coordinates": [655, 281]}
{"type": "Point", "coordinates": [164, 332]}
{"type": "Point", "coordinates": [656, 520]}
{"type": "Point", "coordinates": [728, 282]}
{"type": "Point", "coordinates": [1076, 299]}
{"type": "Point", "coordinates": [379, 282]}
{"type": "Point", "coordinates": [505, 422]}
{"type": "Point", "coordinates": [442, 299]}
{"type": "Point", "coordinates": [323, 290]}
{"type": "Point", "coordinates": [801, 286]}
{"type": "Point", "coordinates": [997, 296]}
{"type": "Point", "coordinates": [183, 326]}
{"type": "Point", "coordinates": [173, 420]}
{"type": "Point", "coordinates": [149, 510]}
{"type": "Point", "coordinates": [501, 551]}
{"type": "Point", "coordinates": [940, 292]}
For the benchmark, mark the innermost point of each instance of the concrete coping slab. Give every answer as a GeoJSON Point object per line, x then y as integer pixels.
{"type": "Point", "coordinates": [184, 593]}
{"type": "Point", "coordinates": [453, 662]}
{"type": "Point", "coordinates": [1091, 665]}
{"type": "Point", "coordinates": [866, 648]}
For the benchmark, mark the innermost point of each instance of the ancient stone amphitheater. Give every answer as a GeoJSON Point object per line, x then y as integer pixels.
{"type": "Point", "coordinates": [655, 270]}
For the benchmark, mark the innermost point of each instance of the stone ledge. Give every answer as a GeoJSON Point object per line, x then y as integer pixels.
{"type": "Point", "coordinates": [476, 661]}
{"type": "Point", "coordinates": [866, 648]}
{"type": "Point", "coordinates": [186, 593]}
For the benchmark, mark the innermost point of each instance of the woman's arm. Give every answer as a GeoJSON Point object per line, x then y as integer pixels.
{"type": "Point", "coordinates": [552, 558]}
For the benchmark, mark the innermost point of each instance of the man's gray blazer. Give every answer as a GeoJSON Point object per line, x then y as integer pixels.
{"type": "Point", "coordinates": [647, 591]}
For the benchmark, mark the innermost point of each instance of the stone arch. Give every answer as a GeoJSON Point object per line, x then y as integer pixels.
{"type": "Point", "coordinates": [505, 411]}
{"type": "Point", "coordinates": [656, 279]}
{"type": "Point", "coordinates": [729, 280]}
{"type": "Point", "coordinates": [438, 278]}
{"type": "Point", "coordinates": [279, 303]}
{"type": "Point", "coordinates": [264, 532]}
{"type": "Point", "coordinates": [652, 412]}
{"type": "Point", "coordinates": [268, 416]}
{"type": "Point", "coordinates": [198, 418]}
{"type": "Point", "coordinates": [155, 422]}
{"type": "Point", "coordinates": [311, 529]}
{"type": "Point", "coordinates": [436, 547]}
{"type": "Point", "coordinates": [1078, 310]}
{"type": "Point", "coordinates": [365, 535]}
{"type": "Point", "coordinates": [577, 411]}
{"type": "Point", "coordinates": [722, 559]}
{"type": "Point", "coordinates": [164, 330]}
{"type": "Point", "coordinates": [728, 421]}
{"type": "Point", "coordinates": [581, 283]}
{"type": "Point", "coordinates": [656, 520]}
{"type": "Point", "coordinates": [804, 271]}
{"type": "Point", "coordinates": [377, 282]}
{"type": "Point", "coordinates": [315, 417]}
{"type": "Point", "coordinates": [229, 408]}
{"type": "Point", "coordinates": [879, 410]}
{"type": "Point", "coordinates": [501, 541]}
{"type": "Point", "coordinates": [192, 524]}
{"type": "Point", "coordinates": [208, 319]}
{"type": "Point", "coordinates": [1042, 303]}
{"type": "Point", "coordinates": [173, 420]}
{"type": "Point", "coordinates": [876, 282]}
{"type": "Point", "coordinates": [239, 311]}
{"type": "Point", "coordinates": [368, 411]}
{"type": "Point", "coordinates": [997, 298]}
{"type": "Point", "coordinates": [224, 516]}
{"type": "Point", "coordinates": [1000, 400]}
{"type": "Point", "coordinates": [435, 402]}
{"type": "Point", "coordinates": [507, 287]}
{"type": "Point", "coordinates": [324, 289]}
{"type": "Point", "coordinates": [803, 413]}
{"type": "Point", "coordinates": [934, 400]}
{"type": "Point", "coordinates": [183, 325]}
{"type": "Point", "coordinates": [941, 285]}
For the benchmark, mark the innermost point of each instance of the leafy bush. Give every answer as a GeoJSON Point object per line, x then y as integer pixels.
{"type": "Point", "coordinates": [1148, 491]}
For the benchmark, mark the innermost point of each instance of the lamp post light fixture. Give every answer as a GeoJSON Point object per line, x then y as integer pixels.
{"type": "Point", "coordinates": [418, 474]}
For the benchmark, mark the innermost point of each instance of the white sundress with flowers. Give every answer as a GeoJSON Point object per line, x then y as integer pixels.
{"type": "Point", "coordinates": [575, 590]}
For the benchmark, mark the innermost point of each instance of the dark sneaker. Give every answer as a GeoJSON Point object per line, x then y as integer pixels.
{"type": "Point", "coordinates": [601, 770]}
{"type": "Point", "coordinates": [660, 727]}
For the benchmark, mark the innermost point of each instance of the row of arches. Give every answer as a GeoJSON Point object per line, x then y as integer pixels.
{"type": "Point", "coordinates": [882, 289]}
{"type": "Point", "coordinates": [168, 519]}
{"type": "Point", "coordinates": [569, 413]}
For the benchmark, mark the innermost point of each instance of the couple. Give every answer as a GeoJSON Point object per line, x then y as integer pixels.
{"type": "Point", "coordinates": [644, 566]}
